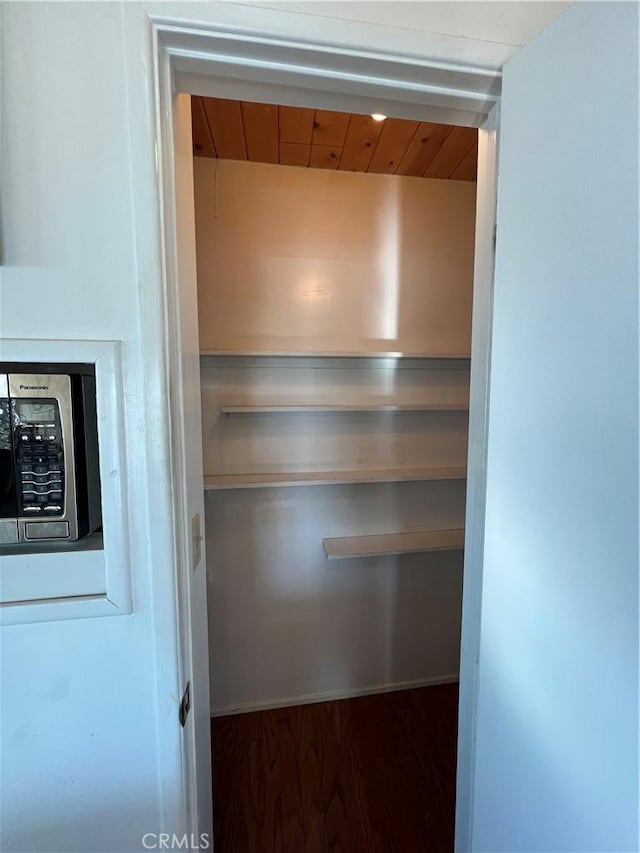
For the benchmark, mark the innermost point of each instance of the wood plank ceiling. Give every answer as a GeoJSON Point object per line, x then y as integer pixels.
{"type": "Point", "coordinates": [293, 136]}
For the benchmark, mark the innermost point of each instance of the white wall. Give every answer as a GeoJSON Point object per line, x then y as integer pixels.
{"type": "Point", "coordinates": [79, 698]}
{"type": "Point", "coordinates": [309, 259]}
{"type": "Point", "coordinates": [557, 737]}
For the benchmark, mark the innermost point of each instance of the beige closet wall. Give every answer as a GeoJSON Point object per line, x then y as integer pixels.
{"type": "Point", "coordinates": [300, 260]}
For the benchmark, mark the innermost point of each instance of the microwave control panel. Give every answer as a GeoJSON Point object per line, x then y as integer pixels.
{"type": "Point", "coordinates": [39, 452]}
{"type": "Point", "coordinates": [44, 427]}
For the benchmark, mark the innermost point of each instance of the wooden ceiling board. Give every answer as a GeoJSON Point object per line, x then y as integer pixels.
{"type": "Point", "coordinates": [202, 139]}
{"type": "Point", "coordinates": [261, 131]}
{"type": "Point", "coordinates": [325, 156]}
{"type": "Point", "coordinates": [362, 136]}
{"type": "Point", "coordinates": [456, 147]}
{"type": "Point", "coordinates": [329, 128]}
{"type": "Point", "coordinates": [294, 154]}
{"type": "Point", "coordinates": [225, 122]}
{"type": "Point", "coordinates": [426, 142]}
{"type": "Point", "coordinates": [468, 169]}
{"type": "Point", "coordinates": [295, 124]}
{"type": "Point", "coordinates": [395, 137]}
{"type": "Point", "coordinates": [325, 139]}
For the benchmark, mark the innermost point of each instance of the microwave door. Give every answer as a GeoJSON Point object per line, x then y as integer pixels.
{"type": "Point", "coordinates": [8, 502]}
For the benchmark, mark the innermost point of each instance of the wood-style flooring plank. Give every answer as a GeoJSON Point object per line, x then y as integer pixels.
{"type": "Point", "coordinates": [374, 774]}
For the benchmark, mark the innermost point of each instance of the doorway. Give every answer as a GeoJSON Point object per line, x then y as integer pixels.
{"type": "Point", "coordinates": [181, 316]}
{"type": "Point", "coordinates": [335, 267]}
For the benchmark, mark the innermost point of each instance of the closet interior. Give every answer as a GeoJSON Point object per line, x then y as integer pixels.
{"type": "Point", "coordinates": [335, 271]}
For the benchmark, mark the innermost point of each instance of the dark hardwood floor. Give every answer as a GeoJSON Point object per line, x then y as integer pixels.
{"type": "Point", "coordinates": [374, 774]}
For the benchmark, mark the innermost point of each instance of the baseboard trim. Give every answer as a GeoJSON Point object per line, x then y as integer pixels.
{"type": "Point", "coordinates": [331, 695]}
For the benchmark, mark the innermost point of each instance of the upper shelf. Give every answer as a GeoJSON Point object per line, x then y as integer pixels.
{"type": "Point", "coordinates": [311, 408]}
{"type": "Point", "coordinates": [327, 478]}
{"type": "Point", "coordinates": [386, 544]}
{"type": "Point", "coordinates": [447, 356]}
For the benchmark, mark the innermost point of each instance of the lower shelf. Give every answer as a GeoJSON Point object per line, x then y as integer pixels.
{"type": "Point", "coordinates": [387, 544]}
{"type": "Point", "coordinates": [326, 478]}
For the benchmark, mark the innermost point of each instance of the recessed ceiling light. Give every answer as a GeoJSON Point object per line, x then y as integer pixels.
{"type": "Point", "coordinates": [378, 117]}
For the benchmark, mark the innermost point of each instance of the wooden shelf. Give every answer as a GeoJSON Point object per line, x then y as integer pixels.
{"type": "Point", "coordinates": [386, 544]}
{"type": "Point", "coordinates": [454, 356]}
{"type": "Point", "coordinates": [327, 478]}
{"type": "Point", "coordinates": [313, 408]}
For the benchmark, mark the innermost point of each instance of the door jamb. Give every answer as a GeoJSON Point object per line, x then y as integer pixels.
{"type": "Point", "coordinates": [482, 326]}
{"type": "Point", "coordinates": [196, 59]}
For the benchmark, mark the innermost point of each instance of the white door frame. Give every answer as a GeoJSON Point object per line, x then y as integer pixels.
{"type": "Point", "coordinates": [197, 59]}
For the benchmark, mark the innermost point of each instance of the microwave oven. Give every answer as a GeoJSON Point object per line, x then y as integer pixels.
{"type": "Point", "coordinates": [49, 466]}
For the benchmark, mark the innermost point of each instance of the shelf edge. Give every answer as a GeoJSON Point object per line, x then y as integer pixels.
{"type": "Point", "coordinates": [312, 408]}
{"type": "Point", "coordinates": [219, 482]}
{"type": "Point", "coordinates": [422, 541]}
{"type": "Point", "coordinates": [325, 354]}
